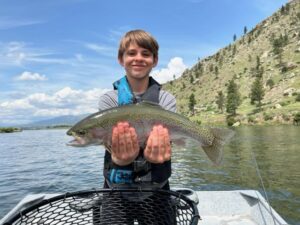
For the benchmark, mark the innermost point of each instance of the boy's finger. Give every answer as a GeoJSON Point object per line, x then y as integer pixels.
{"type": "Point", "coordinates": [128, 140]}
{"type": "Point", "coordinates": [147, 151]}
{"type": "Point", "coordinates": [115, 140]}
{"type": "Point", "coordinates": [134, 139]}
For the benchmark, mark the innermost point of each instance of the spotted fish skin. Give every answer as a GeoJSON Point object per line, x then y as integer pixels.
{"type": "Point", "coordinates": [97, 128]}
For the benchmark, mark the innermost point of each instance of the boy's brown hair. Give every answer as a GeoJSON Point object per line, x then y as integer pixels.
{"type": "Point", "coordinates": [142, 39]}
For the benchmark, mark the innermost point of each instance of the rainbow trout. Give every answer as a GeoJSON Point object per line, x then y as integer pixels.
{"type": "Point", "coordinates": [96, 129]}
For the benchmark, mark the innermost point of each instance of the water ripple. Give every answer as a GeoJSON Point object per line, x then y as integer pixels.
{"type": "Point", "coordinates": [40, 162]}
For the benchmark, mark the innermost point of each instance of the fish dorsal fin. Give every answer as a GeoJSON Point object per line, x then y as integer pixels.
{"type": "Point", "coordinates": [149, 103]}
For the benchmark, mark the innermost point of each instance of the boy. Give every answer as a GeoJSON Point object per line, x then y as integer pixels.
{"type": "Point", "coordinates": [138, 54]}
{"type": "Point", "coordinates": [130, 165]}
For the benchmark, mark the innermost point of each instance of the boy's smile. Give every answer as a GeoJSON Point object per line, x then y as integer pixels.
{"type": "Point", "coordinates": [137, 62]}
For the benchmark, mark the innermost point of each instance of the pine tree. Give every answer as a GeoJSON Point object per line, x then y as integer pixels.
{"type": "Point", "coordinates": [270, 82]}
{"type": "Point", "coordinates": [234, 37]}
{"type": "Point", "coordinates": [200, 68]}
{"type": "Point", "coordinates": [257, 62]}
{"type": "Point", "coordinates": [278, 45]}
{"type": "Point", "coordinates": [192, 103]}
{"type": "Point", "coordinates": [257, 91]}
{"type": "Point", "coordinates": [234, 50]}
{"type": "Point", "coordinates": [233, 98]}
{"type": "Point", "coordinates": [216, 70]}
{"type": "Point", "coordinates": [191, 79]}
{"type": "Point", "coordinates": [282, 10]}
{"type": "Point", "coordinates": [258, 71]}
{"type": "Point", "coordinates": [245, 30]}
{"type": "Point", "coordinates": [220, 99]}
{"type": "Point", "coordinates": [217, 56]}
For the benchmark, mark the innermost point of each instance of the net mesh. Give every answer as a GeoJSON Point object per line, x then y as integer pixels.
{"type": "Point", "coordinates": [105, 207]}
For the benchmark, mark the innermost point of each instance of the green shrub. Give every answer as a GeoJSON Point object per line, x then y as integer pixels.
{"type": "Point", "coordinates": [251, 119]}
{"type": "Point", "coordinates": [209, 108]}
{"type": "Point", "coordinates": [198, 122]}
{"type": "Point", "coordinates": [284, 69]}
{"type": "Point", "coordinates": [267, 117]}
{"type": "Point", "coordinates": [270, 83]}
{"type": "Point", "coordinates": [297, 118]}
{"type": "Point", "coordinates": [285, 117]}
{"type": "Point", "coordinates": [230, 120]}
{"type": "Point", "coordinates": [8, 129]}
{"type": "Point", "coordinates": [256, 110]}
{"type": "Point", "coordinates": [298, 97]}
{"type": "Point", "coordinates": [285, 103]}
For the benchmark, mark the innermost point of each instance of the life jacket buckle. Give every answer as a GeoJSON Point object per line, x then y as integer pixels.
{"type": "Point", "coordinates": [141, 165]}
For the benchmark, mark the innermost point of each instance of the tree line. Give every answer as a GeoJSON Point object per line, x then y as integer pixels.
{"type": "Point", "coordinates": [232, 100]}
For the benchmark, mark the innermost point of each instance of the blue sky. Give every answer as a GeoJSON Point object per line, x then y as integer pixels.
{"type": "Point", "coordinates": [57, 57]}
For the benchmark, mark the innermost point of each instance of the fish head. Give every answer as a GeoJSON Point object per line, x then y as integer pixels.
{"type": "Point", "coordinates": [84, 137]}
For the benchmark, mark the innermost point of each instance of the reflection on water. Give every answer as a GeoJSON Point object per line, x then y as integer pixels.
{"type": "Point", "coordinates": [276, 151]}
{"type": "Point", "coordinates": [39, 161]}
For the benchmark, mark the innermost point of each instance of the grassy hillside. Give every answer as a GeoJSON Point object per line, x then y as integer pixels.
{"type": "Point", "coordinates": [271, 50]}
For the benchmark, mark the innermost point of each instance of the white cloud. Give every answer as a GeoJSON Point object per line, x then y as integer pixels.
{"type": "Point", "coordinates": [12, 53]}
{"type": "Point", "coordinates": [8, 23]}
{"type": "Point", "coordinates": [79, 57]}
{"type": "Point", "coordinates": [66, 101]}
{"type": "Point", "coordinates": [19, 104]}
{"type": "Point", "coordinates": [31, 76]}
{"type": "Point", "coordinates": [175, 68]}
{"type": "Point", "coordinates": [19, 53]}
{"type": "Point", "coordinates": [102, 49]}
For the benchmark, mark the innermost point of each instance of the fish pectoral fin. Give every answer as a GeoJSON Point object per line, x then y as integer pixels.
{"type": "Point", "coordinates": [178, 141]}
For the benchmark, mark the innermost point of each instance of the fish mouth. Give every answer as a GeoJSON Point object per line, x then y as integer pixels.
{"type": "Point", "coordinates": [77, 141]}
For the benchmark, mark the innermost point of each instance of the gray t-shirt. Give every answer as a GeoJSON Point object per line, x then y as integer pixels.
{"type": "Point", "coordinates": [110, 99]}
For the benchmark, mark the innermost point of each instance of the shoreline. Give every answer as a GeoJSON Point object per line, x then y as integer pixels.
{"type": "Point", "coordinates": [10, 129]}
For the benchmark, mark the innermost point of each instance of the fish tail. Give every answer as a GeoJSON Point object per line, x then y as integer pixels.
{"type": "Point", "coordinates": [215, 150]}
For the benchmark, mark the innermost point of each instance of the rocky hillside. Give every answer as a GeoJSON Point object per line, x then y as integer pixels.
{"type": "Point", "coordinates": [270, 50]}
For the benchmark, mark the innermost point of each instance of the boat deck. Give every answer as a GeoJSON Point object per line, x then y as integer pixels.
{"type": "Point", "coordinates": [236, 207]}
{"type": "Point", "coordinates": [240, 207]}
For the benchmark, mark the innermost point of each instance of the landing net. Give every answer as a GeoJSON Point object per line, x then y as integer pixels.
{"type": "Point", "coordinates": [115, 207]}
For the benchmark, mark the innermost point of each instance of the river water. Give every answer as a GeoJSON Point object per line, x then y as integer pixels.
{"type": "Point", "coordinates": [38, 161]}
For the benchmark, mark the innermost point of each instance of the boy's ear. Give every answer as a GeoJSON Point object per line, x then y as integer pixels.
{"type": "Point", "coordinates": [121, 61]}
{"type": "Point", "coordinates": [155, 61]}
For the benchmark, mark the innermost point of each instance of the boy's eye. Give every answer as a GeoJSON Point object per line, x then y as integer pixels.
{"type": "Point", "coordinates": [131, 53]}
{"type": "Point", "coordinates": [143, 53]}
{"type": "Point", "coordinates": [147, 54]}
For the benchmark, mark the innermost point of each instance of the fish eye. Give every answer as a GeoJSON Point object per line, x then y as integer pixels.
{"type": "Point", "coordinates": [81, 132]}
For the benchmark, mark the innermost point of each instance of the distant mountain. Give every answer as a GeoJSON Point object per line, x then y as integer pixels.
{"type": "Point", "coordinates": [67, 120]}
{"type": "Point", "coordinates": [271, 51]}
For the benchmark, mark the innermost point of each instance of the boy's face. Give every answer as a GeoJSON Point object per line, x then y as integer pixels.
{"type": "Point", "coordinates": [137, 62]}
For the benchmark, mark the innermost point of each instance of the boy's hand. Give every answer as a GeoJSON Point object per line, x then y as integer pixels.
{"type": "Point", "coordinates": [125, 147]}
{"type": "Point", "coordinates": [158, 149]}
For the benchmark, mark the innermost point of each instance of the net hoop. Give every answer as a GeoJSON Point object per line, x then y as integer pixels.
{"type": "Point", "coordinates": [106, 206]}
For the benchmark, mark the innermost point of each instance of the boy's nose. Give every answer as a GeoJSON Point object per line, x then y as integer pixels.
{"type": "Point", "coordinates": [139, 57]}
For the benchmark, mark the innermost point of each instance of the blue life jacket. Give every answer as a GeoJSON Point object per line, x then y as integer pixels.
{"type": "Point", "coordinates": [140, 171]}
